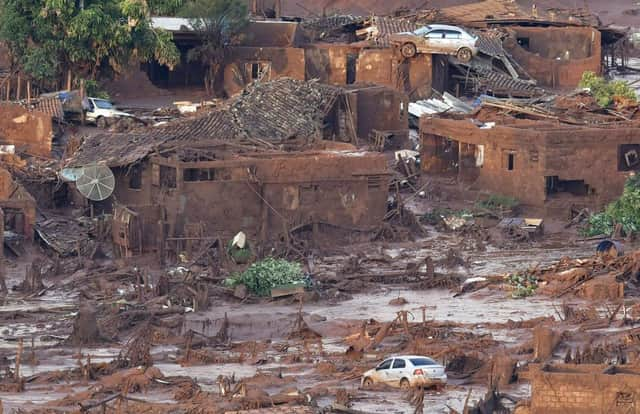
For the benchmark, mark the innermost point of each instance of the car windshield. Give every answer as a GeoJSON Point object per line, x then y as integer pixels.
{"type": "Point", "coordinates": [102, 104]}
{"type": "Point", "coordinates": [421, 31]}
{"type": "Point", "coordinates": [419, 362]}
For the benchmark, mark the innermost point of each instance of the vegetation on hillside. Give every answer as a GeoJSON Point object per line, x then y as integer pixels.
{"type": "Point", "coordinates": [50, 38]}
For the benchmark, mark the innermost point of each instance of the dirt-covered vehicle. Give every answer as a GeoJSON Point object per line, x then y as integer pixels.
{"type": "Point", "coordinates": [439, 39]}
{"type": "Point", "coordinates": [406, 371]}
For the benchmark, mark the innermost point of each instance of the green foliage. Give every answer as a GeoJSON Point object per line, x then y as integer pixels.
{"type": "Point", "coordinates": [524, 285]}
{"type": "Point", "coordinates": [624, 211]}
{"type": "Point", "coordinates": [262, 276]}
{"type": "Point", "coordinates": [93, 89]}
{"type": "Point", "coordinates": [498, 202]}
{"type": "Point", "coordinates": [165, 7]}
{"type": "Point", "coordinates": [219, 24]}
{"type": "Point", "coordinates": [49, 37]}
{"type": "Point", "coordinates": [604, 91]}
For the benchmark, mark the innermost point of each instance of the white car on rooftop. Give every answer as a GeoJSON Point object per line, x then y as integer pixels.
{"type": "Point", "coordinates": [437, 39]}
{"type": "Point", "coordinates": [406, 371]}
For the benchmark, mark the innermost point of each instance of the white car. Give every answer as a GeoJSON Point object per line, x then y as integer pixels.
{"type": "Point", "coordinates": [406, 371]}
{"type": "Point", "coordinates": [102, 112]}
{"type": "Point", "coordinates": [439, 39]}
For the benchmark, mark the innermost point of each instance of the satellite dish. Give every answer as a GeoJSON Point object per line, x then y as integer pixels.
{"type": "Point", "coordinates": [96, 182]}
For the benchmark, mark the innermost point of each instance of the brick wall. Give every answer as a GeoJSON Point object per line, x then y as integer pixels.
{"type": "Point", "coordinates": [584, 389]}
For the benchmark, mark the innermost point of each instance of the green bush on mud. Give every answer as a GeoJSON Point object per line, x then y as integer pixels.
{"type": "Point", "coordinates": [498, 202]}
{"type": "Point", "coordinates": [625, 211]}
{"type": "Point", "coordinates": [524, 285]}
{"type": "Point", "coordinates": [262, 276]}
{"type": "Point", "coordinates": [604, 91]}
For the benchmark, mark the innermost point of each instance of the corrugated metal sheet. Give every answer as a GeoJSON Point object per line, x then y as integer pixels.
{"type": "Point", "coordinates": [490, 44]}
{"type": "Point", "coordinates": [50, 106]}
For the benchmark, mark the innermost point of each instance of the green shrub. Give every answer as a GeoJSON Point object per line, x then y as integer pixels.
{"type": "Point", "coordinates": [498, 202]}
{"type": "Point", "coordinates": [524, 285]}
{"type": "Point", "coordinates": [93, 89]}
{"type": "Point", "coordinates": [604, 91]}
{"type": "Point", "coordinates": [266, 274]}
{"type": "Point", "coordinates": [624, 211]}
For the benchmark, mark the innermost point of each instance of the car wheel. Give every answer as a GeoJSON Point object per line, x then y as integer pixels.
{"type": "Point", "coordinates": [408, 50]}
{"type": "Point", "coordinates": [464, 54]}
{"type": "Point", "coordinates": [101, 122]}
{"type": "Point", "coordinates": [404, 384]}
{"type": "Point", "coordinates": [368, 382]}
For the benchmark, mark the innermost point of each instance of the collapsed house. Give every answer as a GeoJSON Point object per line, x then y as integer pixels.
{"type": "Point", "coordinates": [24, 130]}
{"type": "Point", "coordinates": [542, 158]}
{"type": "Point", "coordinates": [228, 171]}
{"type": "Point", "coordinates": [519, 50]}
{"type": "Point", "coordinates": [19, 209]}
{"type": "Point", "coordinates": [584, 388]}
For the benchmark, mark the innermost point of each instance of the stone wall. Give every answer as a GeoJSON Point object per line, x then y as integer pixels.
{"type": "Point", "coordinates": [584, 389]}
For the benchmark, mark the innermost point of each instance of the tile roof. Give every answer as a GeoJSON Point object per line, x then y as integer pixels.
{"type": "Point", "coordinates": [271, 111]}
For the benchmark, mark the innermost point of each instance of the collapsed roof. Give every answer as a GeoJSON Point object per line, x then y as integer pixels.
{"type": "Point", "coordinates": [273, 112]}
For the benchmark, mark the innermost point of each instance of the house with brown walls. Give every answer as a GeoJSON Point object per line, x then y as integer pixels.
{"type": "Point", "coordinates": [272, 162]}
{"type": "Point", "coordinates": [18, 205]}
{"type": "Point", "coordinates": [556, 56]}
{"type": "Point", "coordinates": [28, 131]}
{"type": "Point", "coordinates": [541, 162]}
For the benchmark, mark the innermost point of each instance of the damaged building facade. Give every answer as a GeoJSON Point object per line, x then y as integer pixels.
{"type": "Point", "coordinates": [519, 49]}
{"type": "Point", "coordinates": [541, 163]}
{"type": "Point", "coordinates": [227, 171]}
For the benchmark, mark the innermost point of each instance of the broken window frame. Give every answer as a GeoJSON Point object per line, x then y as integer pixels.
{"type": "Point", "coordinates": [258, 70]}
{"type": "Point", "coordinates": [195, 175]}
{"type": "Point", "coordinates": [135, 177]}
{"type": "Point", "coordinates": [625, 163]}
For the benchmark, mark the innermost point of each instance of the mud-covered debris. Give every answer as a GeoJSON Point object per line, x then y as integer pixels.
{"type": "Point", "coordinates": [85, 327]}
{"type": "Point", "coordinates": [399, 301]}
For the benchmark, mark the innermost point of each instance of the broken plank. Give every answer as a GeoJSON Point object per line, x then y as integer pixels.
{"type": "Point", "coordinates": [287, 290]}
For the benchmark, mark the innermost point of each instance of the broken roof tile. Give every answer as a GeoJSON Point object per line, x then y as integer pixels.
{"type": "Point", "coordinates": [271, 111]}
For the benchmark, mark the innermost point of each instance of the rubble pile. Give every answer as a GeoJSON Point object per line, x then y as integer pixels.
{"type": "Point", "coordinates": [299, 248]}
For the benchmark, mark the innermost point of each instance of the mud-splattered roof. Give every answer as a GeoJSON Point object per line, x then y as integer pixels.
{"type": "Point", "coordinates": [272, 111]}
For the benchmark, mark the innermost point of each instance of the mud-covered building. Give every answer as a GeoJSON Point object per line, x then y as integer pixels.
{"type": "Point", "coordinates": [584, 388]}
{"type": "Point", "coordinates": [551, 163]}
{"type": "Point", "coordinates": [519, 49]}
{"type": "Point", "coordinates": [259, 166]}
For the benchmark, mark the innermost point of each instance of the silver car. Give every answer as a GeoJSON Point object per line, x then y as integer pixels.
{"type": "Point", "coordinates": [438, 39]}
{"type": "Point", "coordinates": [406, 371]}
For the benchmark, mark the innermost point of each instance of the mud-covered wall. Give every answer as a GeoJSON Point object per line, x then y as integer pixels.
{"type": "Point", "coordinates": [517, 160]}
{"type": "Point", "coordinates": [329, 62]}
{"type": "Point", "coordinates": [29, 131]}
{"type": "Point", "coordinates": [342, 189]}
{"type": "Point", "coordinates": [584, 154]}
{"type": "Point", "coordinates": [556, 56]}
{"type": "Point", "coordinates": [522, 177]}
{"type": "Point", "coordinates": [381, 108]}
{"type": "Point", "coordinates": [281, 61]}
{"type": "Point", "coordinates": [584, 389]}
{"type": "Point", "coordinates": [270, 34]}
{"type": "Point", "coordinates": [15, 198]}
{"type": "Point", "coordinates": [377, 66]}
{"type": "Point", "coordinates": [385, 67]}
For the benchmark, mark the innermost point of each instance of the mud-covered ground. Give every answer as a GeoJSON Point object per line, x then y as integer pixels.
{"type": "Point", "coordinates": [369, 300]}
